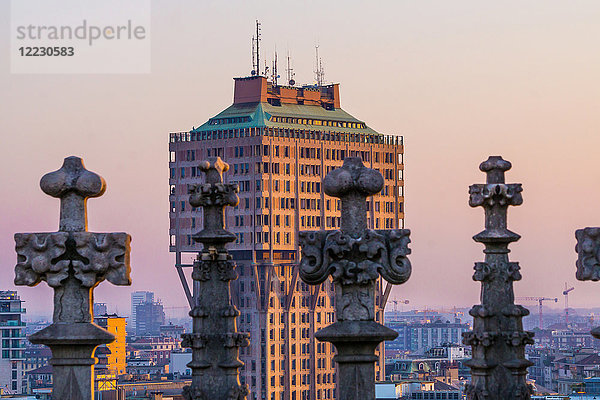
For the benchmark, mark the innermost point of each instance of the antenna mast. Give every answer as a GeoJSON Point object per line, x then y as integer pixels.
{"type": "Point", "coordinates": [256, 50]}
{"type": "Point", "coordinates": [253, 58]}
{"type": "Point", "coordinates": [274, 75]}
{"type": "Point", "coordinates": [319, 71]}
{"type": "Point", "coordinates": [290, 71]}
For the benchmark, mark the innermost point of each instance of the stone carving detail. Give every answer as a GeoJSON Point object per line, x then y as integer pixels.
{"type": "Point", "coordinates": [194, 340]}
{"type": "Point", "coordinates": [355, 260]}
{"type": "Point", "coordinates": [355, 257]}
{"type": "Point", "coordinates": [96, 256]}
{"type": "Point", "coordinates": [485, 272]}
{"type": "Point", "coordinates": [214, 341]}
{"type": "Point", "coordinates": [498, 367]}
{"type": "Point", "coordinates": [72, 261]}
{"type": "Point", "coordinates": [588, 251]}
{"type": "Point", "coordinates": [588, 259]}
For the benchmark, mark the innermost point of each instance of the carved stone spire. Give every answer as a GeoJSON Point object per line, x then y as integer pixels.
{"type": "Point", "coordinates": [355, 257]}
{"type": "Point", "coordinates": [498, 366]}
{"type": "Point", "coordinates": [214, 340]}
{"type": "Point", "coordinates": [73, 262]}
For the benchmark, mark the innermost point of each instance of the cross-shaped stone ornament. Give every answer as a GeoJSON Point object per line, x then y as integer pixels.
{"type": "Point", "coordinates": [355, 257]}
{"type": "Point", "coordinates": [72, 261]}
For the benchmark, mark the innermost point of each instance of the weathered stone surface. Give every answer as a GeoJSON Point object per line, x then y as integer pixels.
{"type": "Point", "coordinates": [588, 260]}
{"type": "Point", "coordinates": [72, 262]}
{"type": "Point", "coordinates": [214, 340]}
{"type": "Point", "coordinates": [498, 366]}
{"type": "Point", "coordinates": [355, 257]}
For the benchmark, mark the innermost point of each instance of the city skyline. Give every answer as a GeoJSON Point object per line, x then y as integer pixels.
{"type": "Point", "coordinates": [459, 82]}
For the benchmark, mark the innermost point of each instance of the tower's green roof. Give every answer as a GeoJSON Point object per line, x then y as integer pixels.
{"type": "Point", "coordinates": [250, 115]}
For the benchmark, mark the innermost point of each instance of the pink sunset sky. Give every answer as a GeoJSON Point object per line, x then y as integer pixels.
{"type": "Point", "coordinates": [461, 80]}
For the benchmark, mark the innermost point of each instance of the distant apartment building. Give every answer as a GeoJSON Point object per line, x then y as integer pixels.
{"type": "Point", "coordinates": [117, 350]}
{"type": "Point", "coordinates": [170, 330]}
{"type": "Point", "coordinates": [280, 142]}
{"type": "Point", "coordinates": [149, 317]}
{"type": "Point", "coordinates": [100, 309]}
{"type": "Point", "coordinates": [12, 333]}
{"type": "Point", "coordinates": [444, 363]}
{"type": "Point", "coordinates": [156, 349]}
{"type": "Point", "coordinates": [138, 298]}
{"type": "Point", "coordinates": [416, 390]}
{"type": "Point", "coordinates": [541, 370]}
{"type": "Point", "coordinates": [571, 369]}
{"type": "Point", "coordinates": [36, 356]}
{"type": "Point", "coordinates": [570, 339]}
{"type": "Point", "coordinates": [420, 337]}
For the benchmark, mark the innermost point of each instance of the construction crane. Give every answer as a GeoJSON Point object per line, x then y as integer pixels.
{"type": "Point", "coordinates": [566, 294]}
{"type": "Point", "coordinates": [396, 301]}
{"type": "Point", "coordinates": [540, 301]}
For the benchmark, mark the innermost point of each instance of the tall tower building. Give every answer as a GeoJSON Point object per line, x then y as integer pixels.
{"type": "Point", "coordinates": [149, 318]}
{"type": "Point", "coordinates": [137, 298]}
{"type": "Point", "coordinates": [280, 142]}
{"type": "Point", "coordinates": [12, 333]}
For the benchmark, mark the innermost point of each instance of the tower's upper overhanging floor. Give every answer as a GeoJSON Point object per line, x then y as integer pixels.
{"type": "Point", "coordinates": [259, 103]}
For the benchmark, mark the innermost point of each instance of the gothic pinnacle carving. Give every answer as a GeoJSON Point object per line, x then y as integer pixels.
{"type": "Point", "coordinates": [214, 341]}
{"type": "Point", "coordinates": [498, 366]}
{"type": "Point", "coordinates": [72, 261]}
{"type": "Point", "coordinates": [355, 257]}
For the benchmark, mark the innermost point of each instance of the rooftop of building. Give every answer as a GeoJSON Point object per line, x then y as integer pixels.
{"type": "Point", "coordinates": [9, 295]}
{"type": "Point", "coordinates": [258, 103]}
{"type": "Point", "coordinates": [441, 386]}
{"type": "Point", "coordinates": [290, 116]}
{"type": "Point", "coordinates": [107, 316]}
{"type": "Point", "coordinates": [46, 369]}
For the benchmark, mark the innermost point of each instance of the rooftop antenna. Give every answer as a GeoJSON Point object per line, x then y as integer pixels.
{"type": "Point", "coordinates": [274, 75]}
{"type": "Point", "coordinates": [253, 58]}
{"type": "Point", "coordinates": [290, 71]}
{"type": "Point", "coordinates": [319, 71]}
{"type": "Point", "coordinates": [256, 50]}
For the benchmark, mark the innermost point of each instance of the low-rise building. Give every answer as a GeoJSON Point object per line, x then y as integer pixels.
{"type": "Point", "coordinates": [178, 363]}
{"type": "Point", "coordinates": [571, 339]}
{"type": "Point", "coordinates": [157, 348]}
{"type": "Point", "coordinates": [39, 378]}
{"type": "Point", "coordinates": [174, 331]}
{"type": "Point", "coordinates": [541, 370]}
{"type": "Point", "coordinates": [36, 356]}
{"type": "Point", "coordinates": [416, 389]}
{"type": "Point", "coordinates": [116, 362]}
{"type": "Point", "coordinates": [420, 337]}
{"type": "Point", "coordinates": [571, 369]}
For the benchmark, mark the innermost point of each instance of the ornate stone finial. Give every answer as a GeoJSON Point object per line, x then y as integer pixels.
{"type": "Point", "coordinates": [213, 196]}
{"type": "Point", "coordinates": [355, 257]}
{"type": "Point", "coordinates": [214, 340]}
{"type": "Point", "coordinates": [73, 185]}
{"type": "Point", "coordinates": [498, 367]}
{"type": "Point", "coordinates": [72, 261]}
{"type": "Point", "coordinates": [588, 260]}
